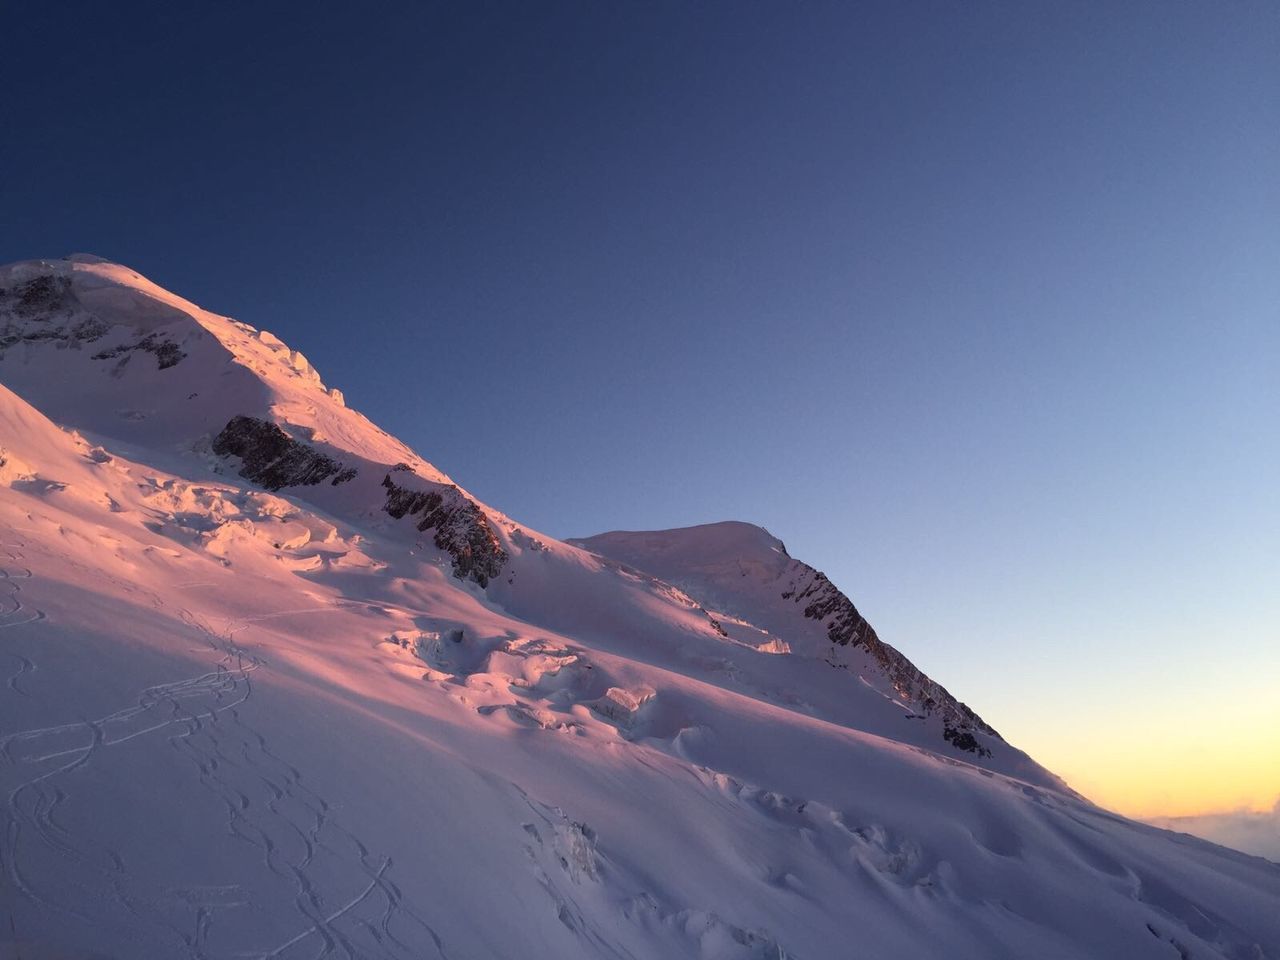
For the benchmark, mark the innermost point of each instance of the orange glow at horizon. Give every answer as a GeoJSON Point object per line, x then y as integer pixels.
{"type": "Point", "coordinates": [1167, 765]}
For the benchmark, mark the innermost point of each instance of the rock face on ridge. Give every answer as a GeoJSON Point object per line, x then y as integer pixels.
{"type": "Point", "coordinates": [461, 529]}
{"type": "Point", "coordinates": [273, 459]}
{"type": "Point", "coordinates": [45, 309]}
{"type": "Point", "coordinates": [167, 353]}
{"type": "Point", "coordinates": [846, 627]}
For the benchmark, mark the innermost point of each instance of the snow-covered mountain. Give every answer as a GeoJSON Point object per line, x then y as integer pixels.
{"type": "Point", "coordinates": [276, 687]}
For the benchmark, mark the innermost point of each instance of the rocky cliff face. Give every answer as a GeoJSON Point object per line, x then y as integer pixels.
{"type": "Point", "coordinates": [846, 627]}
{"type": "Point", "coordinates": [45, 309]}
{"type": "Point", "coordinates": [273, 459]}
{"type": "Point", "coordinates": [40, 295]}
{"type": "Point", "coordinates": [460, 527]}
{"type": "Point", "coordinates": [167, 353]}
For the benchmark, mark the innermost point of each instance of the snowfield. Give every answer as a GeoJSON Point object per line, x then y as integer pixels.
{"type": "Point", "coordinates": [273, 686]}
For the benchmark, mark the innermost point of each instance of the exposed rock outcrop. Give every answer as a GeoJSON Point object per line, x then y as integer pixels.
{"type": "Point", "coordinates": [166, 352]}
{"type": "Point", "coordinates": [461, 528]}
{"type": "Point", "coordinates": [846, 627]}
{"type": "Point", "coordinates": [45, 309]}
{"type": "Point", "coordinates": [40, 295]}
{"type": "Point", "coordinates": [273, 459]}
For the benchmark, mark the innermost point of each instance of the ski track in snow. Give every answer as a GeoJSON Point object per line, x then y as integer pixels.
{"type": "Point", "coordinates": [268, 808]}
{"type": "Point", "coordinates": [14, 613]}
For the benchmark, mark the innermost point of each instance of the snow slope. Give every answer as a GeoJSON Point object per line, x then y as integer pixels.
{"type": "Point", "coordinates": [361, 714]}
{"type": "Point", "coordinates": [766, 595]}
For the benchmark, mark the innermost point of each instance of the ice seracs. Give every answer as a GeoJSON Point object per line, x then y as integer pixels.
{"type": "Point", "coordinates": [251, 706]}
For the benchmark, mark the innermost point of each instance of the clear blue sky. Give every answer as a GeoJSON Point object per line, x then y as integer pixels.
{"type": "Point", "coordinates": [976, 306]}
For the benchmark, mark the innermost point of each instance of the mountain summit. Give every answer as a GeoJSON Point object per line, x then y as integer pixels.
{"type": "Point", "coordinates": [277, 687]}
{"type": "Point", "coordinates": [742, 568]}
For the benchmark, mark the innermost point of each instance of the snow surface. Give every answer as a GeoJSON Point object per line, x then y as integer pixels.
{"type": "Point", "coordinates": [242, 723]}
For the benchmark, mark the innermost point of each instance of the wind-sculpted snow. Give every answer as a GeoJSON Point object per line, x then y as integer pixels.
{"type": "Point", "coordinates": [379, 719]}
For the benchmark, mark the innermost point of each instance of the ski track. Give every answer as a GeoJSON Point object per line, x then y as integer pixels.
{"type": "Point", "coordinates": [268, 808]}
{"type": "Point", "coordinates": [14, 613]}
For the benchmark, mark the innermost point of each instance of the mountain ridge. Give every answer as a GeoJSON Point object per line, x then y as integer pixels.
{"type": "Point", "coordinates": [300, 436]}
{"type": "Point", "coordinates": [249, 711]}
{"type": "Point", "coordinates": [747, 550]}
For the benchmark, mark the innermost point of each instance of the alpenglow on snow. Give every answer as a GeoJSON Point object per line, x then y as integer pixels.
{"type": "Point", "coordinates": [276, 687]}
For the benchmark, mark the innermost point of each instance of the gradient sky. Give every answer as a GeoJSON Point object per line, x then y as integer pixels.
{"type": "Point", "coordinates": [976, 306]}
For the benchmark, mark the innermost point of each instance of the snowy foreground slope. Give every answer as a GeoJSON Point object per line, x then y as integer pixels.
{"type": "Point", "coordinates": [272, 686]}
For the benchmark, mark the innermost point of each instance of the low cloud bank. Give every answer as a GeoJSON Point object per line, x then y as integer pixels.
{"type": "Point", "coordinates": [1246, 830]}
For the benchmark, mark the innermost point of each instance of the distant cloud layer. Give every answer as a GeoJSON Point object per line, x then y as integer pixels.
{"type": "Point", "coordinates": [1256, 833]}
